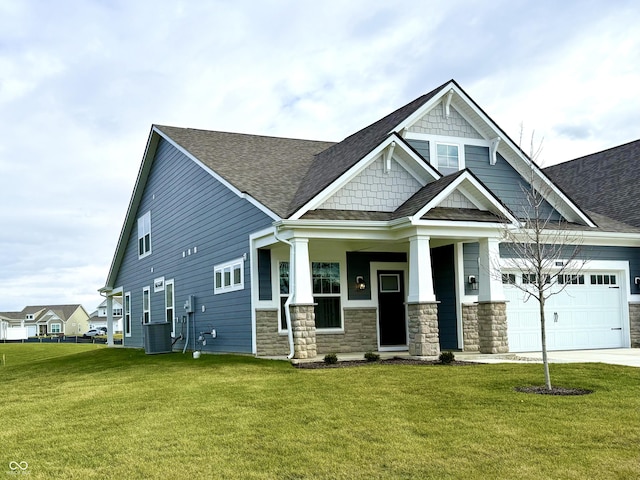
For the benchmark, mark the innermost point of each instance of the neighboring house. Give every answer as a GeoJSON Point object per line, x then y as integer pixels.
{"type": "Point", "coordinates": [387, 240]}
{"type": "Point", "coordinates": [48, 320]}
{"type": "Point", "coordinates": [98, 318]}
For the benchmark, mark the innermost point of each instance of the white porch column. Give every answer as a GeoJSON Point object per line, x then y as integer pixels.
{"type": "Point", "coordinates": [110, 320]}
{"type": "Point", "coordinates": [301, 273]}
{"type": "Point", "coordinates": [420, 274]}
{"type": "Point", "coordinates": [490, 282]}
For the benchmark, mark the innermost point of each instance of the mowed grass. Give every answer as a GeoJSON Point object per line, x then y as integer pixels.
{"type": "Point", "coordinates": [81, 411]}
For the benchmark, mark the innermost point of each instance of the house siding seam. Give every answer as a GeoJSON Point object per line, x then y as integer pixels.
{"type": "Point", "coordinates": [190, 209]}
{"type": "Point", "coordinates": [374, 190]}
{"type": "Point", "coordinates": [436, 123]}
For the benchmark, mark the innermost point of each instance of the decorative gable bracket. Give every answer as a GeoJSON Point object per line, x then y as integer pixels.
{"type": "Point", "coordinates": [446, 102]}
{"type": "Point", "coordinates": [493, 150]}
{"type": "Point", "coordinates": [387, 157]}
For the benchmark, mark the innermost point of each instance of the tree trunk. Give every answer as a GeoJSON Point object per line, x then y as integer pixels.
{"type": "Point", "coordinates": [543, 330]}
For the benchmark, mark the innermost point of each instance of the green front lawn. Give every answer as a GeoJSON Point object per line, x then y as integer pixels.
{"type": "Point", "coordinates": [94, 412]}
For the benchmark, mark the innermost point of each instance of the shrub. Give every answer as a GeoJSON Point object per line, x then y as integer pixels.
{"type": "Point", "coordinates": [371, 357]}
{"type": "Point", "coordinates": [447, 357]}
{"type": "Point", "coordinates": [330, 358]}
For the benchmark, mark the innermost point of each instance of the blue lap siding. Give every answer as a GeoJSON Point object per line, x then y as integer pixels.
{"type": "Point", "coordinates": [196, 223]}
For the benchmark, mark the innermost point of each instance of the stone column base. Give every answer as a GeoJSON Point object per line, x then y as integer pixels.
{"type": "Point", "coordinates": [424, 338]}
{"type": "Point", "coordinates": [492, 327]}
{"type": "Point", "coordinates": [303, 324]}
{"type": "Point", "coordinates": [634, 324]}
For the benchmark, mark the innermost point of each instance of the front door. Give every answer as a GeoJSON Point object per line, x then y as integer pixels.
{"type": "Point", "coordinates": [392, 323]}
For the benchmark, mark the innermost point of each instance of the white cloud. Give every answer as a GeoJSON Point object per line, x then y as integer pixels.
{"type": "Point", "coordinates": [81, 82]}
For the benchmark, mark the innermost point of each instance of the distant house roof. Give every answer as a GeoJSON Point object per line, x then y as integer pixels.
{"type": "Point", "coordinates": [606, 182]}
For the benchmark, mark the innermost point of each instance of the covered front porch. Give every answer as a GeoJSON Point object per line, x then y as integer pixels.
{"type": "Point", "coordinates": [402, 291]}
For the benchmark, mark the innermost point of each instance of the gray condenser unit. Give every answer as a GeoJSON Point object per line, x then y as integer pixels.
{"type": "Point", "coordinates": [157, 337]}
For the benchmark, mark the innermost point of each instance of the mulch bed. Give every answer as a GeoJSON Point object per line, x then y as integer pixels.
{"type": "Point", "coordinates": [386, 361]}
{"type": "Point", "coordinates": [541, 390]}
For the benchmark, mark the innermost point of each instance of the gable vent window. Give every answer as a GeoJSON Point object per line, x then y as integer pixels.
{"type": "Point", "coordinates": [447, 157]}
{"type": "Point", "coordinates": [144, 235]}
{"type": "Point", "coordinates": [229, 277]}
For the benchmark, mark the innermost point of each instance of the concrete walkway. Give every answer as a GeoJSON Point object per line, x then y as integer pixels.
{"type": "Point", "coordinates": [614, 356]}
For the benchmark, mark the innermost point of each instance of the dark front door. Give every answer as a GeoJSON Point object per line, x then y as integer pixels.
{"type": "Point", "coordinates": [444, 285]}
{"type": "Point", "coordinates": [391, 309]}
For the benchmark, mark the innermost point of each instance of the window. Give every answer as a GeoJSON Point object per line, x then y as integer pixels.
{"type": "Point", "coordinates": [326, 294]}
{"type": "Point", "coordinates": [144, 235]}
{"type": "Point", "coordinates": [284, 292]}
{"type": "Point", "coordinates": [229, 276]}
{"type": "Point", "coordinates": [146, 306]}
{"type": "Point", "coordinates": [55, 328]}
{"type": "Point", "coordinates": [127, 314]}
{"type": "Point", "coordinates": [389, 282]}
{"type": "Point", "coordinates": [169, 302]}
{"type": "Point", "coordinates": [570, 279]}
{"type": "Point", "coordinates": [447, 157]}
{"type": "Point", "coordinates": [603, 280]}
{"type": "Point", "coordinates": [117, 312]}
{"type": "Point", "coordinates": [29, 316]}
{"type": "Point", "coordinates": [509, 278]}
{"type": "Point", "coordinates": [531, 278]}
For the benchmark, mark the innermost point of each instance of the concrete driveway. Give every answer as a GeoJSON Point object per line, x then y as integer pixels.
{"type": "Point", "coordinates": [613, 356]}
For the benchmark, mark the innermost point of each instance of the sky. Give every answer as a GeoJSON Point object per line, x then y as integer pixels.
{"type": "Point", "coordinates": [81, 83]}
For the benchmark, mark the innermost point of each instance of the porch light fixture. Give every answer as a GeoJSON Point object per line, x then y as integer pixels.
{"type": "Point", "coordinates": [473, 281]}
{"type": "Point", "coordinates": [360, 285]}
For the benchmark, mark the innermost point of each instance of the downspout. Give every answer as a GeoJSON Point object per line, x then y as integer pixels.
{"type": "Point", "coordinates": [287, 313]}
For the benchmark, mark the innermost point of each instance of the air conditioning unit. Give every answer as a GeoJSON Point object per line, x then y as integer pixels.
{"type": "Point", "coordinates": [157, 338]}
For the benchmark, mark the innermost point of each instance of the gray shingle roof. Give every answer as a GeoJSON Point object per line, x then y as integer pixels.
{"type": "Point", "coordinates": [328, 165]}
{"type": "Point", "coordinates": [267, 168]}
{"type": "Point", "coordinates": [425, 195]}
{"type": "Point", "coordinates": [606, 182]}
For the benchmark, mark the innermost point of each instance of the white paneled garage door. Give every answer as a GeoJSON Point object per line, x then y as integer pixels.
{"type": "Point", "coordinates": [587, 314]}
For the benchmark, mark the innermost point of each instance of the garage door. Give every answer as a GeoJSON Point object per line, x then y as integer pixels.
{"type": "Point", "coordinates": [586, 314]}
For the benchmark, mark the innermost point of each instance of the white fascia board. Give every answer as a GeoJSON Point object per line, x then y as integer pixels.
{"type": "Point", "coordinates": [570, 207]}
{"type": "Point", "coordinates": [347, 176]}
{"type": "Point", "coordinates": [136, 197]}
{"type": "Point", "coordinates": [490, 203]}
{"type": "Point", "coordinates": [431, 103]}
{"type": "Point", "coordinates": [263, 238]}
{"type": "Point", "coordinates": [220, 179]}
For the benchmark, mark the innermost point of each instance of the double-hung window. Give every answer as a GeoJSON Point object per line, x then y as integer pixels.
{"type": "Point", "coordinates": [127, 314]}
{"type": "Point", "coordinates": [169, 302]}
{"type": "Point", "coordinates": [229, 277]}
{"type": "Point", "coordinates": [55, 328]}
{"type": "Point", "coordinates": [284, 292]}
{"type": "Point", "coordinates": [144, 235]}
{"type": "Point", "coordinates": [326, 294]}
{"type": "Point", "coordinates": [146, 304]}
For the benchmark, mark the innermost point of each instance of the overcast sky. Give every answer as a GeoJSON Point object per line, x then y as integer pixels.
{"type": "Point", "coordinates": [81, 82]}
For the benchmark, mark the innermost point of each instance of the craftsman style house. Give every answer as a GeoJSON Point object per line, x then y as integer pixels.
{"type": "Point", "coordinates": [387, 240]}
{"type": "Point", "coordinates": [45, 320]}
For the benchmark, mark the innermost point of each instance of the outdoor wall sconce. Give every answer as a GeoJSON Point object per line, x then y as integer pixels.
{"type": "Point", "coordinates": [360, 285]}
{"type": "Point", "coordinates": [473, 282]}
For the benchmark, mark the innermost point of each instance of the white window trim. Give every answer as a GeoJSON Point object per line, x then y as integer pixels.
{"type": "Point", "coordinates": [59, 325]}
{"type": "Point", "coordinates": [148, 310]}
{"type": "Point", "coordinates": [144, 220]}
{"type": "Point", "coordinates": [230, 266]}
{"type": "Point", "coordinates": [127, 314]}
{"type": "Point", "coordinates": [342, 295]}
{"type": "Point", "coordinates": [173, 304]}
{"type": "Point", "coordinates": [459, 146]}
